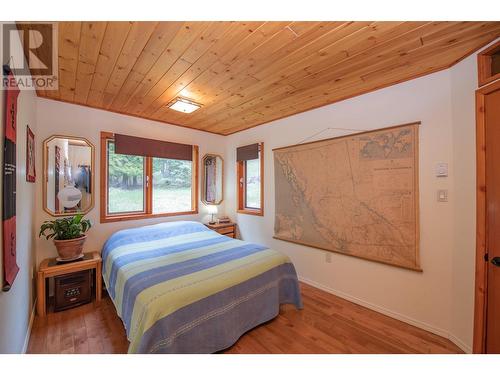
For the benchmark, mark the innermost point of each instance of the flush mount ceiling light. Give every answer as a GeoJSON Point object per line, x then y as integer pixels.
{"type": "Point", "coordinates": [183, 105]}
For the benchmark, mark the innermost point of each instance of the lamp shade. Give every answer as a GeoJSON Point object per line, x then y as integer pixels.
{"type": "Point", "coordinates": [212, 209]}
{"type": "Point", "coordinates": [69, 196]}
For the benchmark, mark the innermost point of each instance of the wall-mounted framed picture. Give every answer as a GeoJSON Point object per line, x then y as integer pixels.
{"type": "Point", "coordinates": [30, 155]}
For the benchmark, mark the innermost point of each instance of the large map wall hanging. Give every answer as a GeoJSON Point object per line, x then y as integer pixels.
{"type": "Point", "coordinates": [356, 195]}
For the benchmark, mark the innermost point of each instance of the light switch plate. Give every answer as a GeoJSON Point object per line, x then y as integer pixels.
{"type": "Point", "coordinates": [442, 195]}
{"type": "Point", "coordinates": [442, 170]}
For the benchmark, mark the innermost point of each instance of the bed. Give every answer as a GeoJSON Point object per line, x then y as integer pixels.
{"type": "Point", "coordinates": [180, 287]}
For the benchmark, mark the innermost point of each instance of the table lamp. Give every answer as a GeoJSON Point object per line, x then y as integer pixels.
{"type": "Point", "coordinates": [212, 209]}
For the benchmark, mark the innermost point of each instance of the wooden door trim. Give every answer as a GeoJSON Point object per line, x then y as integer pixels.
{"type": "Point", "coordinates": [481, 287]}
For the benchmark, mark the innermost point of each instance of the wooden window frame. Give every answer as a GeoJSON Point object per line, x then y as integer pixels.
{"type": "Point", "coordinates": [484, 65]}
{"type": "Point", "coordinates": [240, 186]}
{"type": "Point", "coordinates": [147, 213]}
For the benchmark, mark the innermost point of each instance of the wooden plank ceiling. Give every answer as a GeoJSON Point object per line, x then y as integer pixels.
{"type": "Point", "coordinates": [248, 73]}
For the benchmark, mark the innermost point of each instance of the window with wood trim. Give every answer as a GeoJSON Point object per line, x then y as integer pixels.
{"type": "Point", "coordinates": [142, 178]}
{"type": "Point", "coordinates": [250, 177]}
{"type": "Point", "coordinates": [488, 64]}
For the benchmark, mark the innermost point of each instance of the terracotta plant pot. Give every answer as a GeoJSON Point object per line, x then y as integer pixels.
{"type": "Point", "coordinates": [70, 249]}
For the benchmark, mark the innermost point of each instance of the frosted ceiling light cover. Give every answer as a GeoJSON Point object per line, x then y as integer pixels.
{"type": "Point", "coordinates": [183, 105]}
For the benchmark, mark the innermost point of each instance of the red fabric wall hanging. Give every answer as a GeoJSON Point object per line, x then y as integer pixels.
{"type": "Point", "coordinates": [10, 268]}
{"type": "Point", "coordinates": [30, 155]}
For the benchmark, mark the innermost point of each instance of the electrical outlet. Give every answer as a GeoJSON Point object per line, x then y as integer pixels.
{"type": "Point", "coordinates": [328, 257]}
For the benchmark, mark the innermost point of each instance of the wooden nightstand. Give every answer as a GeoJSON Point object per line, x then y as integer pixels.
{"type": "Point", "coordinates": [227, 229]}
{"type": "Point", "coordinates": [50, 268]}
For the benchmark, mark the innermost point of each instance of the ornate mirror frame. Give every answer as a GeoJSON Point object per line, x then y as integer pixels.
{"type": "Point", "coordinates": [46, 174]}
{"type": "Point", "coordinates": [204, 179]}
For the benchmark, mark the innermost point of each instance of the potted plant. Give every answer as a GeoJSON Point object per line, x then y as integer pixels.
{"type": "Point", "coordinates": [68, 235]}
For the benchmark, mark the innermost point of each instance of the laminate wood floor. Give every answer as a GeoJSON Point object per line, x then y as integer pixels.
{"type": "Point", "coordinates": [327, 324]}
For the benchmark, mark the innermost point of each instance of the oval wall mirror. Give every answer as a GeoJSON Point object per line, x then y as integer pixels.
{"type": "Point", "coordinates": [213, 173]}
{"type": "Point", "coordinates": [68, 181]}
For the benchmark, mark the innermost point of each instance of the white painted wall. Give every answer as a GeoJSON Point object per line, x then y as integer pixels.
{"type": "Point", "coordinates": [440, 298]}
{"type": "Point", "coordinates": [463, 86]}
{"type": "Point", "coordinates": [69, 119]}
{"type": "Point", "coordinates": [16, 304]}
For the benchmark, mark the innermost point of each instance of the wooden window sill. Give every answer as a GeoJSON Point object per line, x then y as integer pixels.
{"type": "Point", "coordinates": [113, 218]}
{"type": "Point", "coordinates": [248, 211]}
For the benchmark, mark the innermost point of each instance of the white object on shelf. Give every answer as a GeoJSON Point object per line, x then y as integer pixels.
{"type": "Point", "coordinates": [69, 197]}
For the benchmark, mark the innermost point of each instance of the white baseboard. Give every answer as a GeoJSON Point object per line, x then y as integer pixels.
{"type": "Point", "coordinates": [28, 332]}
{"type": "Point", "coordinates": [392, 314]}
{"type": "Point", "coordinates": [462, 345]}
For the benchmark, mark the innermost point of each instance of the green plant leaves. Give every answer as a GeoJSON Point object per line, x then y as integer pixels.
{"type": "Point", "coordinates": [67, 228]}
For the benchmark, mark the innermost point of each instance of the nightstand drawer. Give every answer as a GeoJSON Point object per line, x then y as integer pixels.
{"type": "Point", "coordinates": [226, 230]}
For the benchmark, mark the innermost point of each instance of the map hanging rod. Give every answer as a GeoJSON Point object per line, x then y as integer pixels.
{"type": "Point", "coordinates": [324, 130]}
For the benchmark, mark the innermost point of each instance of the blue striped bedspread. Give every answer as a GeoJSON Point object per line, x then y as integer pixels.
{"type": "Point", "coordinates": [180, 287]}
